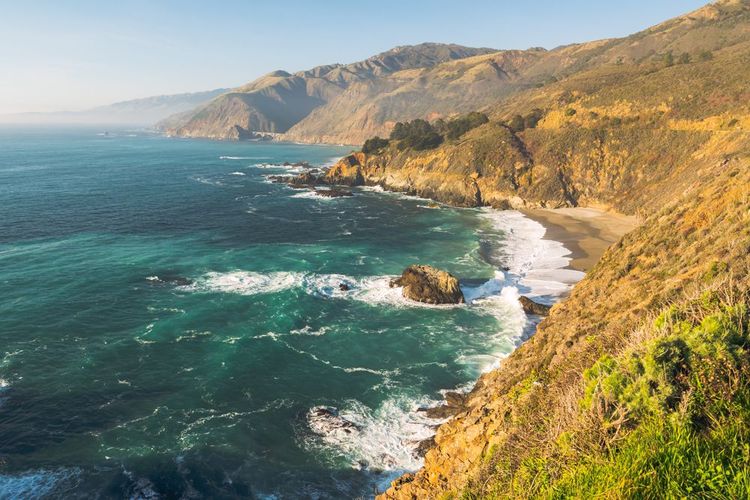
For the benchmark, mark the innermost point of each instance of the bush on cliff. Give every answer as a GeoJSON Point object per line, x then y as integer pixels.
{"type": "Point", "coordinates": [417, 134]}
{"type": "Point", "coordinates": [374, 145]}
{"type": "Point", "coordinates": [458, 127]}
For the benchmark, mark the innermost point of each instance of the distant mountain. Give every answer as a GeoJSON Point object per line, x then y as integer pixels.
{"type": "Point", "coordinates": [138, 112]}
{"type": "Point", "coordinates": [282, 102]}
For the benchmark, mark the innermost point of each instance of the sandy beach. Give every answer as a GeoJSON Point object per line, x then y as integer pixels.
{"type": "Point", "coordinates": [586, 232]}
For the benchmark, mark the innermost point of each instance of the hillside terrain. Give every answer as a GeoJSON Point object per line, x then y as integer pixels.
{"type": "Point", "coordinates": [349, 103]}
{"type": "Point", "coordinates": [279, 101]}
{"type": "Point", "coordinates": [636, 385]}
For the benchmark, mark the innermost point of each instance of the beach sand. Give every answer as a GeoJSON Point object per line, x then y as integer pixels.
{"type": "Point", "coordinates": [586, 232]}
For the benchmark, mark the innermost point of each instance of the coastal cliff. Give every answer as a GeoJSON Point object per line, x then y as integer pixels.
{"type": "Point", "coordinates": [527, 417]}
{"type": "Point", "coordinates": [644, 362]}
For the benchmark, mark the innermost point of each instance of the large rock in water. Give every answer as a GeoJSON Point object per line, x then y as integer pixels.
{"type": "Point", "coordinates": [531, 307]}
{"type": "Point", "coordinates": [429, 285]}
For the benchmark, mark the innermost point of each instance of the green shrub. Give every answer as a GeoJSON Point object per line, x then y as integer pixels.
{"type": "Point", "coordinates": [668, 59]}
{"type": "Point", "coordinates": [458, 127]}
{"type": "Point", "coordinates": [706, 55]}
{"type": "Point", "coordinates": [516, 123]}
{"type": "Point", "coordinates": [417, 134]}
{"type": "Point", "coordinates": [570, 112]}
{"type": "Point", "coordinates": [532, 119]}
{"type": "Point", "coordinates": [374, 145]}
{"type": "Point", "coordinates": [687, 405]}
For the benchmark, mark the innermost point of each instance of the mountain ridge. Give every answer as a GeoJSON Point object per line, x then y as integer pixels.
{"type": "Point", "coordinates": [145, 111]}
{"type": "Point", "coordinates": [276, 102]}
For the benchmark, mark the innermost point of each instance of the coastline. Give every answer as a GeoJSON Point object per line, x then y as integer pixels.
{"type": "Point", "coordinates": [585, 232]}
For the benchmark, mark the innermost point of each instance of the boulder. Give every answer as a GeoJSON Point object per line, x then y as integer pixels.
{"type": "Point", "coordinates": [347, 171]}
{"type": "Point", "coordinates": [326, 421]}
{"type": "Point", "coordinates": [455, 403]}
{"type": "Point", "coordinates": [333, 192]}
{"type": "Point", "coordinates": [429, 285]}
{"type": "Point", "coordinates": [531, 307]}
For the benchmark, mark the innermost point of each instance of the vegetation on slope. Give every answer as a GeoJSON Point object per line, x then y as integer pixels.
{"type": "Point", "coordinates": [666, 417]}
{"type": "Point", "coordinates": [574, 406]}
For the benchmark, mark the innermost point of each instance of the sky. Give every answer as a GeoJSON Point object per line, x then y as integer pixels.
{"type": "Point", "coordinates": [76, 54]}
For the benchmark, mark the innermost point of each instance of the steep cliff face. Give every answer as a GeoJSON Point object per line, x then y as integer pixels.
{"type": "Point", "coordinates": [586, 405]}
{"type": "Point", "coordinates": [519, 412]}
{"type": "Point", "coordinates": [627, 169]}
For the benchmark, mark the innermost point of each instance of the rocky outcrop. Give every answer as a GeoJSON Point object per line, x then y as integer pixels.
{"type": "Point", "coordinates": [522, 409]}
{"type": "Point", "coordinates": [326, 421]}
{"type": "Point", "coordinates": [334, 192]}
{"type": "Point", "coordinates": [531, 307]}
{"type": "Point", "coordinates": [347, 171]}
{"type": "Point", "coordinates": [429, 285]}
{"type": "Point", "coordinates": [455, 402]}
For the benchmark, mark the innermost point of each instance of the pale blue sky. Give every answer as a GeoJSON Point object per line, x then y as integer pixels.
{"type": "Point", "coordinates": [75, 54]}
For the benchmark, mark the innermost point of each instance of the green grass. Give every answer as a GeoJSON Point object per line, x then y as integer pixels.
{"type": "Point", "coordinates": [666, 417]}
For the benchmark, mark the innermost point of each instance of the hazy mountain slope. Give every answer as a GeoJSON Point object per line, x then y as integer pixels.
{"type": "Point", "coordinates": [279, 100]}
{"type": "Point", "coordinates": [138, 112]}
{"type": "Point", "coordinates": [370, 108]}
{"type": "Point", "coordinates": [348, 103]}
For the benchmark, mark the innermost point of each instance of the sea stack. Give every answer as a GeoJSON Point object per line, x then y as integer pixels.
{"type": "Point", "coordinates": [429, 285]}
{"type": "Point", "coordinates": [531, 307]}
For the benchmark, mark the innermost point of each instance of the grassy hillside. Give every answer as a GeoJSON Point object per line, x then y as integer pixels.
{"type": "Point", "coordinates": [638, 377]}
{"type": "Point", "coordinates": [636, 385]}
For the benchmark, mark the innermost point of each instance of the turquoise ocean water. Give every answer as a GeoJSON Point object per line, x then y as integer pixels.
{"type": "Point", "coordinates": [168, 319]}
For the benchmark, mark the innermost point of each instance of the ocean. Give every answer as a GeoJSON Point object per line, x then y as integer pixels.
{"type": "Point", "coordinates": [170, 320]}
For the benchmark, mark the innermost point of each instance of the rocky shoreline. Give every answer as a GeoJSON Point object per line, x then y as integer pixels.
{"type": "Point", "coordinates": [421, 283]}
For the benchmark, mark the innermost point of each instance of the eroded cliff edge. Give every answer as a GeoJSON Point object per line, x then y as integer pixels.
{"type": "Point", "coordinates": [669, 144]}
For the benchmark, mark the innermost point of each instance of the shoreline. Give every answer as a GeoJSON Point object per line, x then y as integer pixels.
{"type": "Point", "coordinates": [585, 232]}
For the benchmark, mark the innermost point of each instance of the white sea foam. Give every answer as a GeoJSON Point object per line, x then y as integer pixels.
{"type": "Point", "coordinates": [537, 266]}
{"type": "Point", "coordinates": [239, 158]}
{"type": "Point", "coordinates": [308, 330]}
{"type": "Point", "coordinates": [311, 194]}
{"type": "Point", "coordinates": [3, 383]}
{"type": "Point", "coordinates": [207, 181]}
{"type": "Point", "coordinates": [384, 439]}
{"type": "Point", "coordinates": [244, 282]}
{"type": "Point", "coordinates": [237, 173]}
{"type": "Point", "coordinates": [375, 189]}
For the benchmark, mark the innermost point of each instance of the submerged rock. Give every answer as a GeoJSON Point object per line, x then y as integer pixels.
{"type": "Point", "coordinates": [334, 192]}
{"type": "Point", "coordinates": [429, 285]}
{"type": "Point", "coordinates": [455, 403]}
{"type": "Point", "coordinates": [531, 307]}
{"type": "Point", "coordinates": [169, 279]}
{"type": "Point", "coordinates": [325, 421]}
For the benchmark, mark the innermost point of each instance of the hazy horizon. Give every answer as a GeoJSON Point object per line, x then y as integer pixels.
{"type": "Point", "coordinates": [74, 58]}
